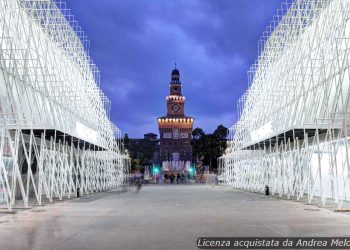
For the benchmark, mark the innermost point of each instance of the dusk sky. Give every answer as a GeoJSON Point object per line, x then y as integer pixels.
{"type": "Point", "coordinates": [136, 43]}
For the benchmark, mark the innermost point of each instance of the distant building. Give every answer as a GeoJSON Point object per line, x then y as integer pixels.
{"type": "Point", "coordinates": [175, 128]}
{"type": "Point", "coordinates": [148, 139]}
{"type": "Point", "coordinates": [150, 136]}
{"type": "Point", "coordinates": [148, 146]}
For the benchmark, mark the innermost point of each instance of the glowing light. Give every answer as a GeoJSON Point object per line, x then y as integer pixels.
{"type": "Point", "coordinates": [156, 170]}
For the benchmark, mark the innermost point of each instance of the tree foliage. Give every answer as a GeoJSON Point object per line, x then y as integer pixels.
{"type": "Point", "coordinates": [209, 147]}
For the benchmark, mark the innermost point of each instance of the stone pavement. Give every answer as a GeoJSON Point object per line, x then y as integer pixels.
{"type": "Point", "coordinates": [164, 217]}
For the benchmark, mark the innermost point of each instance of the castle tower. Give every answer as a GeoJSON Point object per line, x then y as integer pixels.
{"type": "Point", "coordinates": [175, 128]}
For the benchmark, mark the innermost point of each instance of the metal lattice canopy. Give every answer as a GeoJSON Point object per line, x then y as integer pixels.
{"type": "Point", "coordinates": [55, 131]}
{"type": "Point", "coordinates": [292, 132]}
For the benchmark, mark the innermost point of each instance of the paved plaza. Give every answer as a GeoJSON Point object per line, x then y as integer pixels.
{"type": "Point", "coordinates": [163, 217]}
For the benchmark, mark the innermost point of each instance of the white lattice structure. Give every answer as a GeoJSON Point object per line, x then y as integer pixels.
{"type": "Point", "coordinates": [55, 132]}
{"type": "Point", "coordinates": [293, 129]}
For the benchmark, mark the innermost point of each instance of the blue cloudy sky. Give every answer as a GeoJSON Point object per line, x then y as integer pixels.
{"type": "Point", "coordinates": [136, 42]}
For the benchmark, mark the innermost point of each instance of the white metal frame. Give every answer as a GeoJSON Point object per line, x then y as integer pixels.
{"type": "Point", "coordinates": [55, 132]}
{"type": "Point", "coordinates": [298, 96]}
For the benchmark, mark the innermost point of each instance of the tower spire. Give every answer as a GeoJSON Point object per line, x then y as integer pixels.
{"type": "Point", "coordinates": [175, 76]}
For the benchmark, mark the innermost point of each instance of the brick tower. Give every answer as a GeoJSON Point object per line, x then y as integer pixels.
{"type": "Point", "coordinates": [175, 128]}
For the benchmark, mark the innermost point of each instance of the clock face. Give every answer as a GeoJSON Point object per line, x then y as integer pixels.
{"type": "Point", "coordinates": [175, 108]}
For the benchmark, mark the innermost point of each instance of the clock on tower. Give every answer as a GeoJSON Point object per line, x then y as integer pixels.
{"type": "Point", "coordinates": [175, 128]}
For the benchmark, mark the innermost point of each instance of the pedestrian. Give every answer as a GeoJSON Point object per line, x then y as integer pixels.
{"type": "Point", "coordinates": [178, 177]}
{"type": "Point", "coordinates": [182, 178]}
{"type": "Point", "coordinates": [138, 185]}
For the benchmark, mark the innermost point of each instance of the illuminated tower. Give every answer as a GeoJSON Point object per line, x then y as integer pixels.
{"type": "Point", "coordinates": [175, 128]}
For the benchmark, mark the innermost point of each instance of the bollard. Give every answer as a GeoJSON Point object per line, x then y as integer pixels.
{"type": "Point", "coordinates": [78, 192]}
{"type": "Point", "coordinates": [267, 190]}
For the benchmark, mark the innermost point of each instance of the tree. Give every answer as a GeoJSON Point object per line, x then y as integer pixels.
{"type": "Point", "coordinates": [197, 142]}
{"type": "Point", "coordinates": [126, 142]}
{"type": "Point", "coordinates": [220, 135]}
{"type": "Point", "coordinates": [209, 147]}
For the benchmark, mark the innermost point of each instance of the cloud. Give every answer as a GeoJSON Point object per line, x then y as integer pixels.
{"type": "Point", "coordinates": [135, 45]}
{"type": "Point", "coordinates": [122, 88]}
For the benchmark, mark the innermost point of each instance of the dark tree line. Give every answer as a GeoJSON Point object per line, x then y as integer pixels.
{"type": "Point", "coordinates": [209, 147]}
